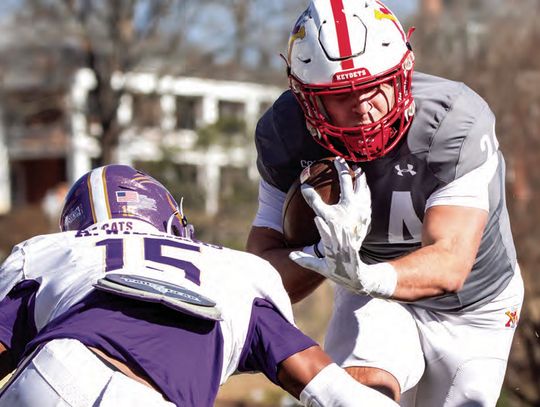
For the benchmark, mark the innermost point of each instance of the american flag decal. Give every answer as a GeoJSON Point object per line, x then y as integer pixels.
{"type": "Point", "coordinates": [127, 196]}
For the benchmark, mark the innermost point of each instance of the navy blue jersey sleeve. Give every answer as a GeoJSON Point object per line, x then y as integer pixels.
{"type": "Point", "coordinates": [16, 317]}
{"type": "Point", "coordinates": [284, 145]}
{"type": "Point", "coordinates": [270, 340]}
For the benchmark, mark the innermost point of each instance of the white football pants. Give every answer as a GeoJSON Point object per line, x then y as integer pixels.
{"type": "Point", "coordinates": [64, 372]}
{"type": "Point", "coordinates": [438, 358]}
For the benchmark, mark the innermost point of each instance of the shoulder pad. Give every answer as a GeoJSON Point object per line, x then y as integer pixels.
{"type": "Point", "coordinates": [453, 125]}
{"type": "Point", "coordinates": [284, 145]}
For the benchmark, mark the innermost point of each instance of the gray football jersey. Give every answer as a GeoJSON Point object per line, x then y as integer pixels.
{"type": "Point", "coordinates": [451, 135]}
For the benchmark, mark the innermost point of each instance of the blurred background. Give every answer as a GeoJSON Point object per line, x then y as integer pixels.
{"type": "Point", "coordinates": [175, 87]}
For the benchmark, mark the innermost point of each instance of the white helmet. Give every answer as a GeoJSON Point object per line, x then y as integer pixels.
{"type": "Point", "coordinates": [339, 46]}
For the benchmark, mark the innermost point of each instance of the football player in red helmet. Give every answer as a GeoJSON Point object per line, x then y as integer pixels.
{"type": "Point", "coordinates": [352, 82]}
{"type": "Point", "coordinates": [425, 279]}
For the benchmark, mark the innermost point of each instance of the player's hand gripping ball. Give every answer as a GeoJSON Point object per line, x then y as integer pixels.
{"type": "Point", "coordinates": [298, 218]}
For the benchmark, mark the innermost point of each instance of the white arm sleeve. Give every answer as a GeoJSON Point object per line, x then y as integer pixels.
{"type": "Point", "coordinates": [271, 202]}
{"type": "Point", "coordinates": [334, 387]}
{"type": "Point", "coordinates": [470, 190]}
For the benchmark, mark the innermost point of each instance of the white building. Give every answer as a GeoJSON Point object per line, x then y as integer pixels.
{"type": "Point", "coordinates": [156, 112]}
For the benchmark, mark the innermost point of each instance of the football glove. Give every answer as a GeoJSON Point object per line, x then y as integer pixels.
{"type": "Point", "coordinates": [351, 216]}
{"type": "Point", "coordinates": [342, 228]}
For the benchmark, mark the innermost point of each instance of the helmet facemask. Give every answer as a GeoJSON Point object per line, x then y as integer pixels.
{"type": "Point", "coordinates": [186, 229]}
{"type": "Point", "coordinates": [364, 142]}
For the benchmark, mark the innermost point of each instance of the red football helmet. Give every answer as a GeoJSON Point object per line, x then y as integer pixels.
{"type": "Point", "coordinates": [342, 46]}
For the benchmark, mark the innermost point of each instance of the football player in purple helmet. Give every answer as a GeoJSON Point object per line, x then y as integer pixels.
{"type": "Point", "coordinates": [120, 191]}
{"type": "Point", "coordinates": [125, 308]}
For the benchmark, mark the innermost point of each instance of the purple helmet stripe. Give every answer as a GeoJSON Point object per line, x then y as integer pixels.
{"type": "Point", "coordinates": [91, 200]}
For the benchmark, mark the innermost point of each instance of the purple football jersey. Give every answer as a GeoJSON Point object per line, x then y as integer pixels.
{"type": "Point", "coordinates": [181, 355]}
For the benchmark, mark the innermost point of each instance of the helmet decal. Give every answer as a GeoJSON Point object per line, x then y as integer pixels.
{"type": "Point", "coordinates": [298, 32]}
{"type": "Point", "coordinates": [385, 13]}
{"type": "Point", "coordinates": [127, 196]}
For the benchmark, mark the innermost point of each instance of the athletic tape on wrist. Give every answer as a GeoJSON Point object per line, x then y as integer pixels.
{"type": "Point", "coordinates": [380, 280]}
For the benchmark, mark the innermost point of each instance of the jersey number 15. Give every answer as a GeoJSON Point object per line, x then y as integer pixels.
{"type": "Point", "coordinates": [114, 255]}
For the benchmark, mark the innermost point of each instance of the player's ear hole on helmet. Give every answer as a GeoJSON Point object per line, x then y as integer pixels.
{"type": "Point", "coordinates": [175, 230]}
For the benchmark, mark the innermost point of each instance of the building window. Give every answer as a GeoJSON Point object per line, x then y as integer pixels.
{"type": "Point", "coordinates": [231, 110]}
{"type": "Point", "coordinates": [231, 119]}
{"type": "Point", "coordinates": [33, 109]}
{"type": "Point", "coordinates": [146, 110]}
{"type": "Point", "coordinates": [188, 112]}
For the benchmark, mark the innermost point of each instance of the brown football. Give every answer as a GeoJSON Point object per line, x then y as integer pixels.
{"type": "Point", "coordinates": [298, 218]}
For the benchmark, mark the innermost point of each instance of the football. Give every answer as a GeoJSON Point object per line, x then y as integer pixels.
{"type": "Point", "coordinates": [298, 218]}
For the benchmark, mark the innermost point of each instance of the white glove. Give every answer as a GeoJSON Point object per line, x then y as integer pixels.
{"type": "Point", "coordinates": [343, 227]}
{"type": "Point", "coordinates": [352, 214]}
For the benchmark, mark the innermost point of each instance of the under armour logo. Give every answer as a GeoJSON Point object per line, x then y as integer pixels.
{"type": "Point", "coordinates": [409, 169]}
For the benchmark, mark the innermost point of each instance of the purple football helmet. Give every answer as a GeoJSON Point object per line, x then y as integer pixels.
{"type": "Point", "coordinates": [120, 191]}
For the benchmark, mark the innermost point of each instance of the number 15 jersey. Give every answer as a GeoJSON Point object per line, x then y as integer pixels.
{"type": "Point", "coordinates": [46, 292]}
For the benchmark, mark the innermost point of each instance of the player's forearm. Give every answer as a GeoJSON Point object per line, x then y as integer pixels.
{"type": "Point", "coordinates": [299, 369]}
{"type": "Point", "coordinates": [311, 376]}
{"type": "Point", "coordinates": [298, 281]}
{"type": "Point", "coordinates": [430, 271]}
{"type": "Point", "coordinates": [451, 237]}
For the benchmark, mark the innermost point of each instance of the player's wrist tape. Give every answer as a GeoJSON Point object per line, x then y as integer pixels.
{"type": "Point", "coordinates": [314, 250]}
{"type": "Point", "coordinates": [333, 386]}
{"type": "Point", "coordinates": [379, 280]}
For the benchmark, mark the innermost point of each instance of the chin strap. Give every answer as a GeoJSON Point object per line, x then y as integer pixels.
{"type": "Point", "coordinates": [187, 229]}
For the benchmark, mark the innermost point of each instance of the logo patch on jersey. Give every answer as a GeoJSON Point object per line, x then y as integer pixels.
{"type": "Point", "coordinates": [127, 196]}
{"type": "Point", "coordinates": [306, 163]}
{"type": "Point", "coordinates": [513, 318]}
{"type": "Point", "coordinates": [409, 170]}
